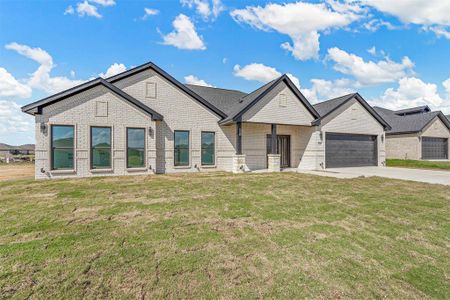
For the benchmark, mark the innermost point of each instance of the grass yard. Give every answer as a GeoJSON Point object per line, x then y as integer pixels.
{"type": "Point", "coordinates": [418, 164]}
{"type": "Point", "coordinates": [220, 235]}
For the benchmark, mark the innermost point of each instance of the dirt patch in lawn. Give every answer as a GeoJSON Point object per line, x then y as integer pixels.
{"type": "Point", "coordinates": [16, 171]}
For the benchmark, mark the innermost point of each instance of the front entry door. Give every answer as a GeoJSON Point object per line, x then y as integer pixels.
{"type": "Point", "coordinates": [284, 149]}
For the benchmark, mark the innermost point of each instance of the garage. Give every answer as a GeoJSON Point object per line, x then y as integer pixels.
{"type": "Point", "coordinates": [434, 148]}
{"type": "Point", "coordinates": [350, 150]}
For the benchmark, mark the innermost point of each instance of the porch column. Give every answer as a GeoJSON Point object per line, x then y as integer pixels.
{"type": "Point", "coordinates": [238, 138]}
{"type": "Point", "coordinates": [273, 159]}
{"type": "Point", "coordinates": [239, 158]}
{"type": "Point", "coordinates": [273, 140]}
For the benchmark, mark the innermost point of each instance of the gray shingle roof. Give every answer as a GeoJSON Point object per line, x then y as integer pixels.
{"type": "Point", "coordinates": [328, 106]}
{"type": "Point", "coordinates": [409, 123]}
{"type": "Point", "coordinates": [223, 99]}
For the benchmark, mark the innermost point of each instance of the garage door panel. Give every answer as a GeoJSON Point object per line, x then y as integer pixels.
{"type": "Point", "coordinates": [434, 148]}
{"type": "Point", "coordinates": [350, 150]}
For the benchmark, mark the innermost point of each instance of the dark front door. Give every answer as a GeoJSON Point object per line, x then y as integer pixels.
{"type": "Point", "coordinates": [350, 150]}
{"type": "Point", "coordinates": [284, 149]}
{"type": "Point", "coordinates": [434, 148]}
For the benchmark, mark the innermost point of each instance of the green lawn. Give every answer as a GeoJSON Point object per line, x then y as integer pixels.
{"type": "Point", "coordinates": [228, 236]}
{"type": "Point", "coordinates": [418, 164]}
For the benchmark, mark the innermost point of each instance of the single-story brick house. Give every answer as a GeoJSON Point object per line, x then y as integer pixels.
{"type": "Point", "coordinates": [416, 133]}
{"type": "Point", "coordinates": [144, 121]}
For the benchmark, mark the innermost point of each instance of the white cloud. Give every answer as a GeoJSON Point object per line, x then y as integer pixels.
{"type": "Point", "coordinates": [149, 12]}
{"type": "Point", "coordinates": [372, 51]}
{"type": "Point", "coordinates": [41, 78]}
{"type": "Point", "coordinates": [257, 72]}
{"type": "Point", "coordinates": [114, 69]}
{"type": "Point", "coordinates": [204, 8]}
{"type": "Point", "coordinates": [446, 85]}
{"type": "Point", "coordinates": [192, 79]}
{"type": "Point", "coordinates": [104, 2]}
{"type": "Point", "coordinates": [421, 12]}
{"type": "Point", "coordinates": [87, 9]}
{"type": "Point", "coordinates": [72, 73]}
{"type": "Point", "coordinates": [369, 73]}
{"type": "Point", "coordinates": [301, 21]}
{"type": "Point", "coordinates": [224, 60]}
{"type": "Point", "coordinates": [322, 89]}
{"type": "Point", "coordinates": [11, 87]}
{"type": "Point", "coordinates": [12, 119]}
{"type": "Point", "coordinates": [410, 92]}
{"type": "Point", "coordinates": [294, 79]}
{"type": "Point", "coordinates": [439, 31]}
{"type": "Point", "coordinates": [69, 10]}
{"type": "Point", "coordinates": [184, 36]}
{"type": "Point", "coordinates": [375, 24]}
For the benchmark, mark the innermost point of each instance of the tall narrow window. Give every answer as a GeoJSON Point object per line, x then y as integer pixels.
{"type": "Point", "coordinates": [100, 147]}
{"type": "Point", "coordinates": [181, 155]}
{"type": "Point", "coordinates": [62, 145]}
{"type": "Point", "coordinates": [135, 147]}
{"type": "Point", "coordinates": [208, 148]}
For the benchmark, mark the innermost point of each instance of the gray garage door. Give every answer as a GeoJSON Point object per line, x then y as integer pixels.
{"type": "Point", "coordinates": [434, 148]}
{"type": "Point", "coordinates": [350, 150]}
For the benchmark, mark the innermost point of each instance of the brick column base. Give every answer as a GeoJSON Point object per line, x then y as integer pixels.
{"type": "Point", "coordinates": [239, 163]}
{"type": "Point", "coordinates": [273, 162]}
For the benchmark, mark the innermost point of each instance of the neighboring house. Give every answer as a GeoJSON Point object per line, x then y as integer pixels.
{"type": "Point", "coordinates": [144, 121]}
{"type": "Point", "coordinates": [417, 133]}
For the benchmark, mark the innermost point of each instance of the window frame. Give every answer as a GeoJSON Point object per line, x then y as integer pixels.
{"type": "Point", "coordinates": [145, 147]}
{"type": "Point", "coordinates": [201, 149]}
{"type": "Point", "coordinates": [91, 163]}
{"type": "Point", "coordinates": [52, 154]}
{"type": "Point", "coordinates": [175, 149]}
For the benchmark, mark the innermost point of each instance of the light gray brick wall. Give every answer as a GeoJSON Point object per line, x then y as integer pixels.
{"type": "Point", "coordinates": [350, 118]}
{"type": "Point", "coordinates": [405, 146]}
{"type": "Point", "coordinates": [80, 111]}
{"type": "Point", "coordinates": [409, 146]}
{"type": "Point", "coordinates": [268, 109]}
{"type": "Point", "coordinates": [181, 112]}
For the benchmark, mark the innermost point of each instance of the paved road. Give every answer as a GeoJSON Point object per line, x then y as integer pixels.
{"type": "Point", "coordinates": [428, 176]}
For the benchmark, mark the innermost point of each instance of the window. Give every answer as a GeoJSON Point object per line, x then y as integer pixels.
{"type": "Point", "coordinates": [135, 147]}
{"type": "Point", "coordinates": [208, 148]}
{"type": "Point", "coordinates": [62, 145]}
{"type": "Point", "coordinates": [100, 147]}
{"type": "Point", "coordinates": [181, 146]}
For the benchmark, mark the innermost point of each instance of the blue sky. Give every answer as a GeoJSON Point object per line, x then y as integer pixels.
{"type": "Point", "coordinates": [394, 54]}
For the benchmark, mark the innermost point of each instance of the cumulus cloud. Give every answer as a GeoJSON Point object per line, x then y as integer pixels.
{"type": "Point", "coordinates": [421, 12]}
{"type": "Point", "coordinates": [412, 91]}
{"type": "Point", "coordinates": [255, 71]}
{"type": "Point", "coordinates": [301, 21]}
{"type": "Point", "coordinates": [204, 8]}
{"type": "Point", "coordinates": [322, 89]}
{"type": "Point", "coordinates": [184, 35]}
{"type": "Point", "coordinates": [369, 72]}
{"type": "Point", "coordinates": [192, 79]}
{"type": "Point", "coordinates": [11, 87]}
{"type": "Point", "coordinates": [41, 78]}
{"type": "Point", "coordinates": [432, 14]}
{"type": "Point", "coordinates": [87, 9]}
{"type": "Point", "coordinates": [446, 85]}
{"type": "Point", "coordinates": [12, 119]}
{"type": "Point", "coordinates": [114, 69]}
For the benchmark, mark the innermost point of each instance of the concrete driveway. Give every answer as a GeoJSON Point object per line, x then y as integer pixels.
{"type": "Point", "coordinates": [428, 176]}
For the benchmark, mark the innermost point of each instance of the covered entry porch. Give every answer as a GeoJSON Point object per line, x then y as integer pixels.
{"type": "Point", "coordinates": [269, 147]}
